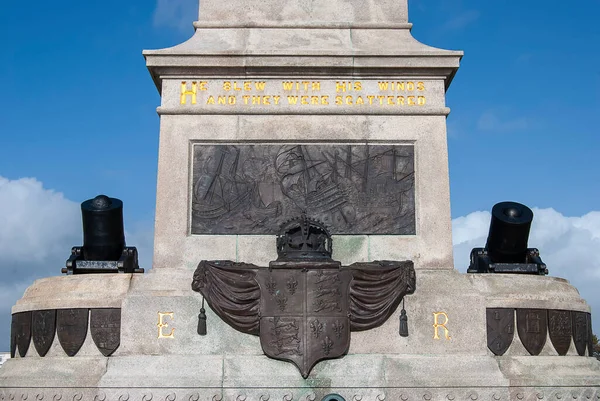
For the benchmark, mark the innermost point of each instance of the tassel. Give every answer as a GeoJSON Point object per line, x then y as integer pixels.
{"type": "Point", "coordinates": [403, 321]}
{"type": "Point", "coordinates": [202, 320]}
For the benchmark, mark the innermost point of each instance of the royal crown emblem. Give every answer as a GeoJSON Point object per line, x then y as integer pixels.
{"type": "Point", "coordinates": [304, 238]}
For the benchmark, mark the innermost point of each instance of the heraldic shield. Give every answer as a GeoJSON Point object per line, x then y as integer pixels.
{"type": "Point", "coordinates": [500, 329]}
{"type": "Point", "coordinates": [580, 332]}
{"type": "Point", "coordinates": [105, 325]}
{"type": "Point", "coordinates": [71, 328]}
{"type": "Point", "coordinates": [304, 315]}
{"type": "Point", "coordinates": [44, 328]}
{"type": "Point", "coordinates": [559, 329]}
{"type": "Point", "coordinates": [22, 332]}
{"type": "Point", "coordinates": [304, 305]}
{"type": "Point", "coordinates": [532, 326]}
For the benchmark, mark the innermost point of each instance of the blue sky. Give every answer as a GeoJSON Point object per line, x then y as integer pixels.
{"type": "Point", "coordinates": [78, 117]}
{"type": "Point", "coordinates": [78, 106]}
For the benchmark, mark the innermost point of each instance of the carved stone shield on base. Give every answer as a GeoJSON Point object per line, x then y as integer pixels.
{"type": "Point", "coordinates": [23, 336]}
{"type": "Point", "coordinates": [500, 329]}
{"type": "Point", "coordinates": [71, 327]}
{"type": "Point", "coordinates": [559, 328]}
{"type": "Point", "coordinates": [105, 325]}
{"type": "Point", "coordinates": [44, 328]}
{"type": "Point", "coordinates": [304, 315]}
{"type": "Point", "coordinates": [580, 332]}
{"type": "Point", "coordinates": [532, 326]}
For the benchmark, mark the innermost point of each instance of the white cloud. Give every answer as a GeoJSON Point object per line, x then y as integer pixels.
{"type": "Point", "coordinates": [570, 247]}
{"type": "Point", "coordinates": [177, 14]}
{"type": "Point", "coordinates": [38, 228]}
{"type": "Point", "coordinates": [469, 228]}
{"type": "Point", "coordinates": [34, 222]}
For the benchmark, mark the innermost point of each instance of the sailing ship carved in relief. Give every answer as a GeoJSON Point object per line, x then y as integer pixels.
{"type": "Point", "coordinates": [354, 189]}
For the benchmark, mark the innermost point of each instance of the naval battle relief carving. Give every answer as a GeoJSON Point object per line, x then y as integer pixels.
{"type": "Point", "coordinates": [253, 189]}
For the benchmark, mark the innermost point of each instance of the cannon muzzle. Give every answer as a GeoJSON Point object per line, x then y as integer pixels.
{"type": "Point", "coordinates": [509, 232]}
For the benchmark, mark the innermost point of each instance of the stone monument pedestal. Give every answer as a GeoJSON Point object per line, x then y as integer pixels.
{"type": "Point", "coordinates": [271, 109]}
{"type": "Point", "coordinates": [226, 364]}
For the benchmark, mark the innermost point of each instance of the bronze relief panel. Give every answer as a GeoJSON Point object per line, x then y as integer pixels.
{"type": "Point", "coordinates": [253, 189]}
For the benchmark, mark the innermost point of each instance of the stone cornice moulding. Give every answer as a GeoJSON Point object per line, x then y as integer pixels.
{"type": "Point", "coordinates": [286, 41]}
{"type": "Point", "coordinates": [443, 111]}
{"type": "Point", "coordinates": [295, 67]}
{"type": "Point", "coordinates": [391, 52]}
{"type": "Point", "coordinates": [304, 25]}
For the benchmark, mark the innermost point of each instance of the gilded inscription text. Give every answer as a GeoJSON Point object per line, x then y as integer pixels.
{"type": "Point", "coordinates": [162, 325]}
{"type": "Point", "coordinates": [273, 93]}
{"type": "Point", "coordinates": [437, 325]}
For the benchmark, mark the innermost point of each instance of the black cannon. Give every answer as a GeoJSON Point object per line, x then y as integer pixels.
{"type": "Point", "coordinates": [506, 249]}
{"type": "Point", "coordinates": [103, 249]}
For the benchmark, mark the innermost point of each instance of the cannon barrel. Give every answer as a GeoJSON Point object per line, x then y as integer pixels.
{"type": "Point", "coordinates": [103, 249]}
{"type": "Point", "coordinates": [506, 249]}
{"type": "Point", "coordinates": [103, 232]}
{"type": "Point", "coordinates": [509, 233]}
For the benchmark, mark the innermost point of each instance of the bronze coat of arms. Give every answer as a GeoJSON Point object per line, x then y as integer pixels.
{"type": "Point", "coordinates": [105, 325]}
{"type": "Point", "coordinates": [71, 328]}
{"type": "Point", "coordinates": [532, 326]}
{"type": "Point", "coordinates": [304, 305]}
{"type": "Point", "coordinates": [580, 332]}
{"type": "Point", "coordinates": [44, 329]}
{"type": "Point", "coordinates": [500, 329]}
{"type": "Point", "coordinates": [20, 333]}
{"type": "Point", "coordinates": [559, 328]}
{"type": "Point", "coordinates": [304, 315]}
{"type": "Point", "coordinates": [22, 323]}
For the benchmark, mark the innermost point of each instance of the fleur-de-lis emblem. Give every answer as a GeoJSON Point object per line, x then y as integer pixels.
{"type": "Point", "coordinates": [271, 285]}
{"type": "Point", "coordinates": [327, 345]}
{"type": "Point", "coordinates": [281, 302]}
{"type": "Point", "coordinates": [292, 285]}
{"type": "Point", "coordinates": [316, 327]}
{"type": "Point", "coordinates": [338, 328]}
